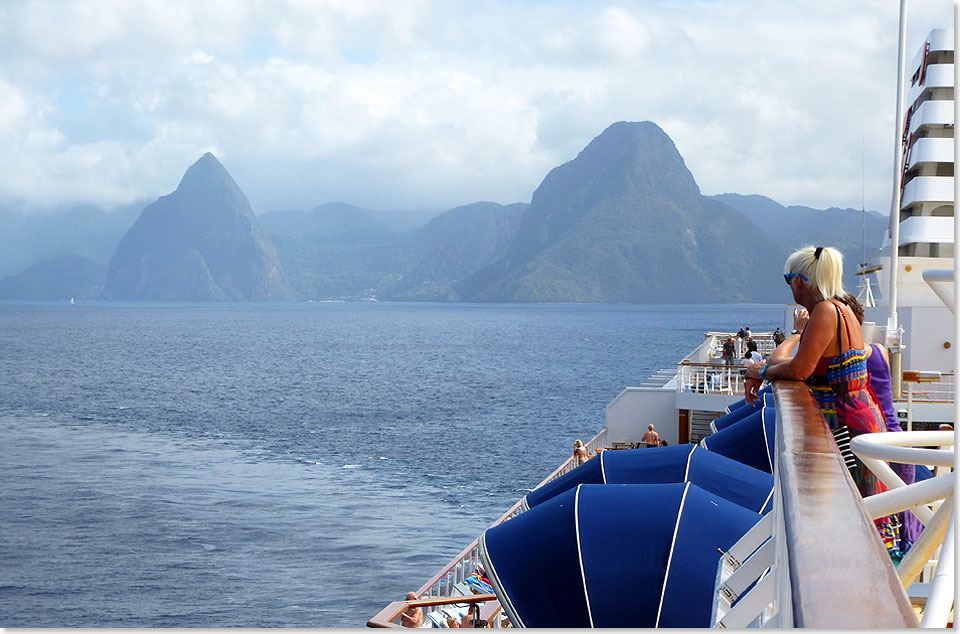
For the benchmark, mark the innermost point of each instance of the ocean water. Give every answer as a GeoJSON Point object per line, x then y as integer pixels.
{"type": "Point", "coordinates": [266, 465]}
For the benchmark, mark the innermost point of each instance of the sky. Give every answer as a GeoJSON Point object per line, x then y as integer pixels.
{"type": "Point", "coordinates": [430, 104]}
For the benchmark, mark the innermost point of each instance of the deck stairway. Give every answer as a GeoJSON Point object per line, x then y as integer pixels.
{"type": "Point", "coordinates": [700, 424]}
{"type": "Point", "coordinates": [661, 378]}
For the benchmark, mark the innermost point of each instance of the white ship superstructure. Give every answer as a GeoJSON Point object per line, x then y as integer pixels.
{"type": "Point", "coordinates": [925, 228]}
{"type": "Point", "coordinates": [926, 202]}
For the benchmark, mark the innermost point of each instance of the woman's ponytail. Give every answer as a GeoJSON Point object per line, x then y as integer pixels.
{"type": "Point", "coordinates": [822, 266]}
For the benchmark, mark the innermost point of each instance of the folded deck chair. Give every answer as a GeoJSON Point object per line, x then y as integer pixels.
{"type": "Point", "coordinates": [614, 555]}
{"type": "Point", "coordinates": [743, 484]}
{"type": "Point", "coordinates": [750, 441]}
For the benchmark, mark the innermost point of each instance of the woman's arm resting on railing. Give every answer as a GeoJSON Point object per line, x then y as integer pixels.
{"type": "Point", "coordinates": [818, 334]}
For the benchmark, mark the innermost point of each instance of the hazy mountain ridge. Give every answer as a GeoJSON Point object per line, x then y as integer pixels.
{"type": "Point", "coordinates": [454, 245]}
{"type": "Point", "coordinates": [357, 257]}
{"type": "Point", "coordinates": [69, 276]}
{"type": "Point", "coordinates": [337, 220]}
{"type": "Point", "coordinates": [624, 221]}
{"type": "Point", "coordinates": [30, 236]}
{"type": "Point", "coordinates": [851, 231]}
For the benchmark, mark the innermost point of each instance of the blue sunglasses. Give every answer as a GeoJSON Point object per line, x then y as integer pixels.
{"type": "Point", "coordinates": [789, 277]}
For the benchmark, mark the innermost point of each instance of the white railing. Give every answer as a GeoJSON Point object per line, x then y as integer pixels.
{"type": "Point", "coordinates": [942, 391]}
{"type": "Point", "coordinates": [876, 451]}
{"type": "Point", "coordinates": [710, 378]}
{"type": "Point", "coordinates": [711, 350]}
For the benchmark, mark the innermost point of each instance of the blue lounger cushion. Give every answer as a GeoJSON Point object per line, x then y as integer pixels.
{"type": "Point", "coordinates": [534, 560]}
{"type": "Point", "coordinates": [737, 482]}
{"type": "Point", "coordinates": [643, 555]}
{"type": "Point", "coordinates": [750, 441]}
{"type": "Point", "coordinates": [722, 422]}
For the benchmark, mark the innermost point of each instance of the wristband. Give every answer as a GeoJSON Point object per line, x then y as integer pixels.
{"type": "Point", "coordinates": [794, 332]}
{"type": "Point", "coordinates": [763, 372]}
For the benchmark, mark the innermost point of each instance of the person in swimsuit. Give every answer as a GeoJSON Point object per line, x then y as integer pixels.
{"type": "Point", "coordinates": [831, 359]}
{"type": "Point", "coordinates": [411, 617]}
{"type": "Point", "coordinates": [651, 438]}
{"type": "Point", "coordinates": [579, 452]}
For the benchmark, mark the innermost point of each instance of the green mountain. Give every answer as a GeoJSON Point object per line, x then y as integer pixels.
{"type": "Point", "coordinates": [200, 243]}
{"type": "Point", "coordinates": [341, 251]}
{"type": "Point", "coordinates": [335, 251]}
{"type": "Point", "coordinates": [452, 246]}
{"type": "Point", "coordinates": [625, 222]}
{"type": "Point", "coordinates": [57, 278]}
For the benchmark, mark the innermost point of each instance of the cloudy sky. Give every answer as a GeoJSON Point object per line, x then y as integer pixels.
{"type": "Point", "coordinates": [394, 104]}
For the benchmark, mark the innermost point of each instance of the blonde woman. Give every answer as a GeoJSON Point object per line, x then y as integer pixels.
{"type": "Point", "coordinates": [579, 452]}
{"type": "Point", "coordinates": [830, 357]}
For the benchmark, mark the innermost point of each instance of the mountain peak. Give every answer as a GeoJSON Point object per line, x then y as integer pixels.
{"type": "Point", "coordinates": [202, 242]}
{"type": "Point", "coordinates": [636, 147]}
{"type": "Point", "coordinates": [205, 173]}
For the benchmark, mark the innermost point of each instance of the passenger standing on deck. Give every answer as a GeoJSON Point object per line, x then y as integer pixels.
{"type": "Point", "coordinates": [651, 438]}
{"type": "Point", "coordinates": [778, 337]}
{"type": "Point", "coordinates": [729, 350]}
{"type": "Point", "coordinates": [579, 452]}
{"type": "Point", "coordinates": [830, 358]}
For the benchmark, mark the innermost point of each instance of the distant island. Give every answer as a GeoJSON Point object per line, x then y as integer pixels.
{"type": "Point", "coordinates": [624, 221]}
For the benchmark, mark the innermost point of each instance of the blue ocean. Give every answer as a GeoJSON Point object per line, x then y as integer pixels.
{"type": "Point", "coordinates": [268, 465]}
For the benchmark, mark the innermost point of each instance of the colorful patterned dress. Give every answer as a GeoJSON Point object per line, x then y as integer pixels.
{"type": "Point", "coordinates": [841, 387]}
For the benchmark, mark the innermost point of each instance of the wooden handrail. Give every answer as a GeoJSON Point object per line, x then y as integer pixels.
{"type": "Point", "coordinates": [919, 376]}
{"type": "Point", "coordinates": [840, 574]}
{"type": "Point", "coordinates": [385, 617]}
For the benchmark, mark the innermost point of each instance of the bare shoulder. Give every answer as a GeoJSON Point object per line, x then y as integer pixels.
{"type": "Point", "coordinates": [823, 318]}
{"type": "Point", "coordinates": [825, 310]}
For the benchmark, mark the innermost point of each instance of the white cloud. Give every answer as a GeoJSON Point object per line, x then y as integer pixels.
{"type": "Point", "coordinates": [436, 103]}
{"type": "Point", "coordinates": [13, 107]}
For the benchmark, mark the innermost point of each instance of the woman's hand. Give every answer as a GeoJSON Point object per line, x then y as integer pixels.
{"type": "Point", "coordinates": [800, 319]}
{"type": "Point", "coordinates": [752, 382]}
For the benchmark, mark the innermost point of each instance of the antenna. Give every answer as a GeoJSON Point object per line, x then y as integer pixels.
{"type": "Point", "coordinates": [865, 295]}
{"type": "Point", "coordinates": [863, 212]}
